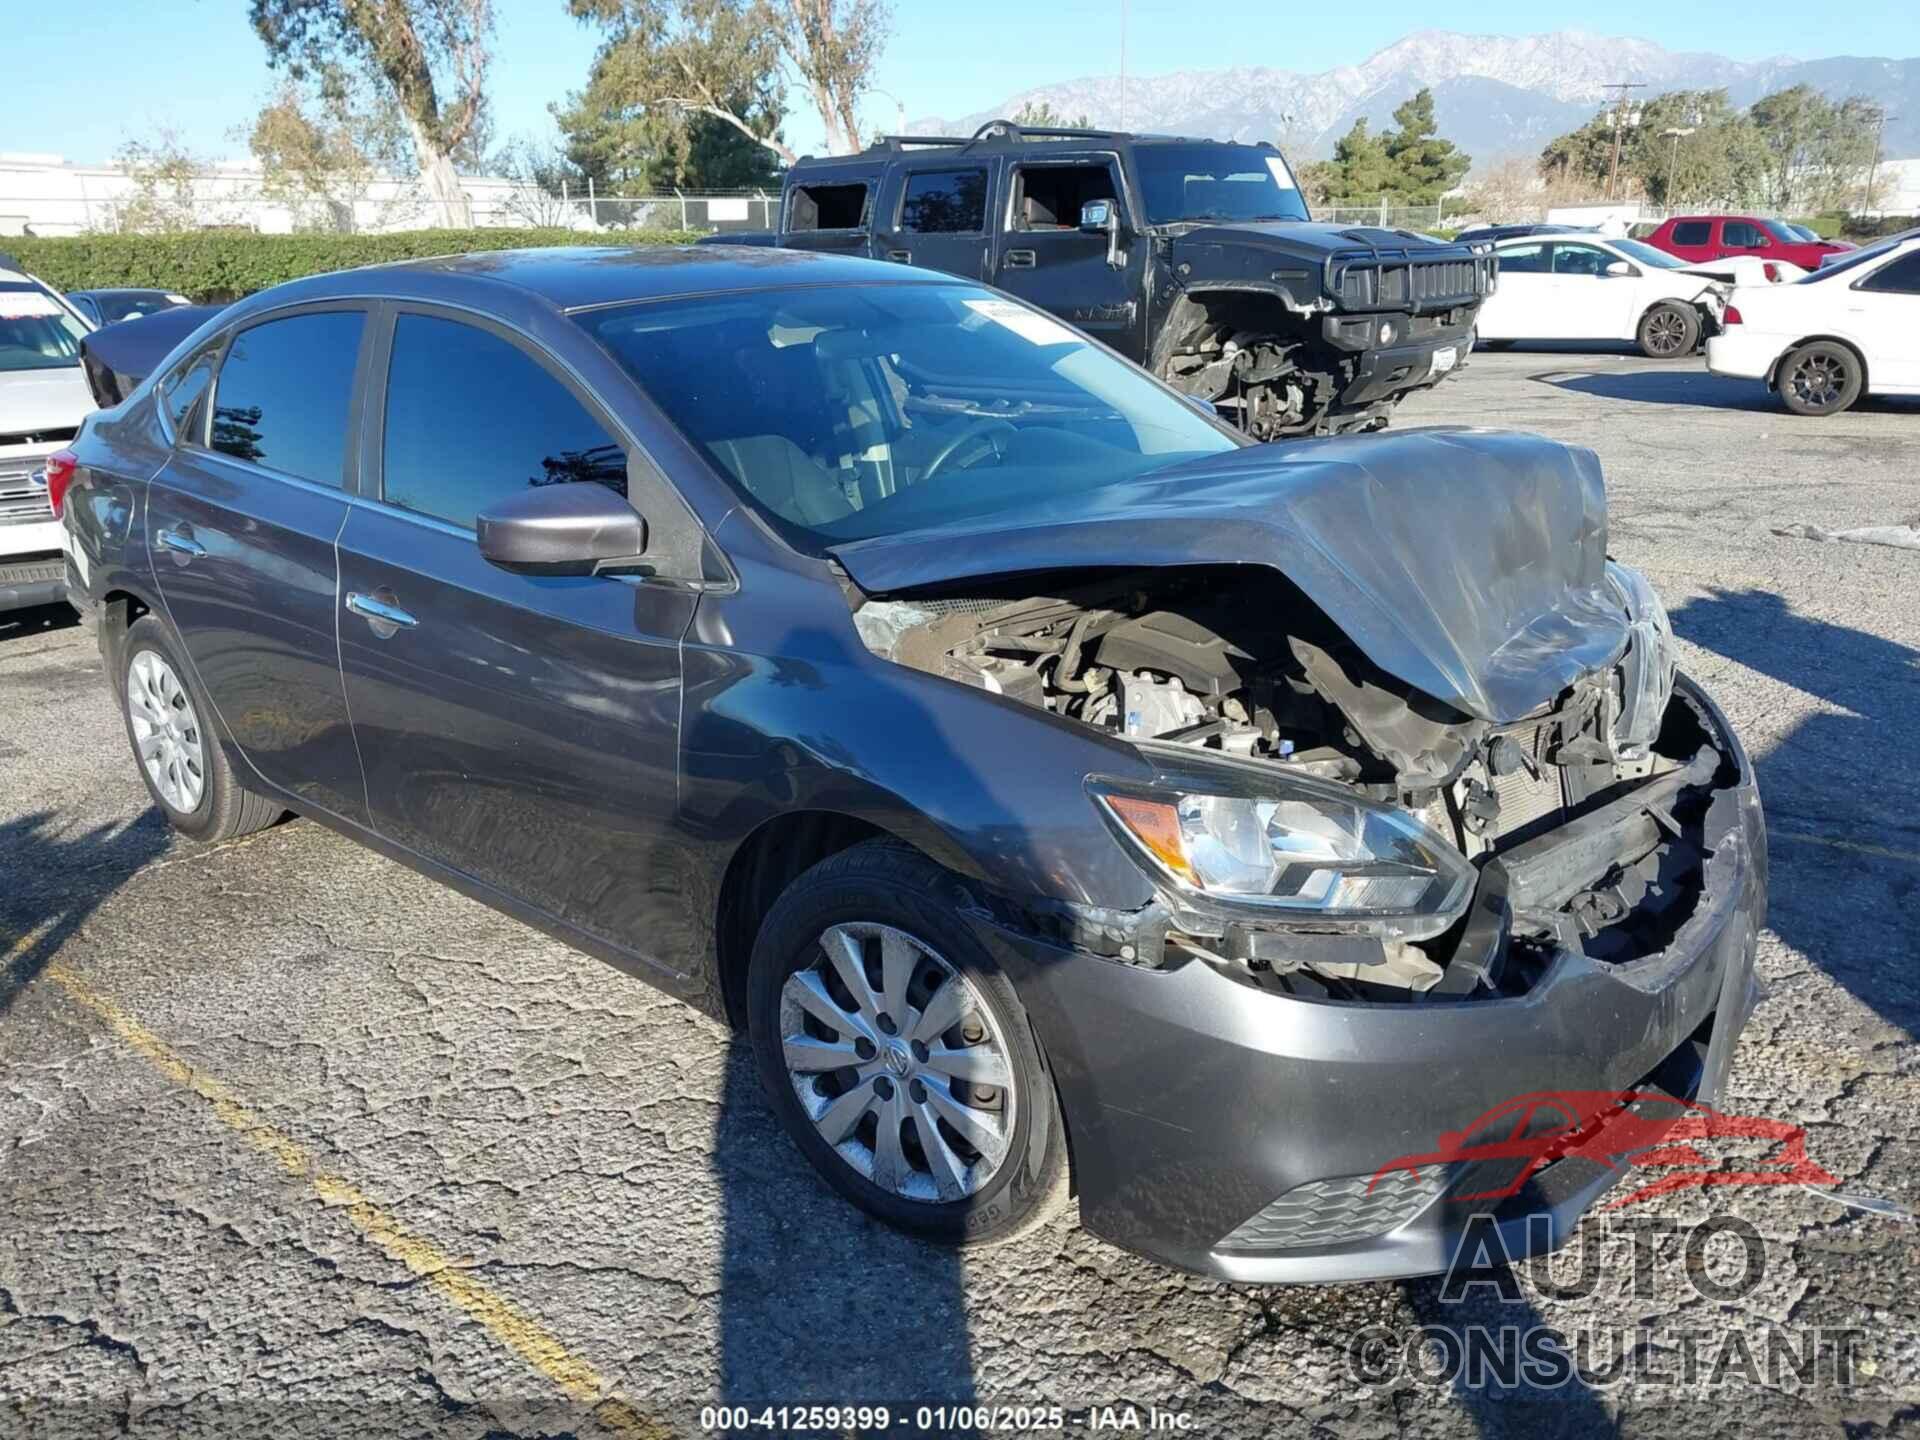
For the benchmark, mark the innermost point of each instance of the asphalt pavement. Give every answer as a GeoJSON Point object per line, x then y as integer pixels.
{"type": "Point", "coordinates": [294, 1141]}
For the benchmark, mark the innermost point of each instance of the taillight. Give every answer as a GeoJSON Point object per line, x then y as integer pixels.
{"type": "Point", "coordinates": [1731, 316]}
{"type": "Point", "coordinates": [1771, 271]}
{"type": "Point", "coordinates": [59, 475]}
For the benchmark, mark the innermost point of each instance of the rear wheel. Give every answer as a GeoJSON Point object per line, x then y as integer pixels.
{"type": "Point", "coordinates": [181, 761]}
{"type": "Point", "coordinates": [898, 1056]}
{"type": "Point", "coordinates": [1668, 332]}
{"type": "Point", "coordinates": [1820, 378]}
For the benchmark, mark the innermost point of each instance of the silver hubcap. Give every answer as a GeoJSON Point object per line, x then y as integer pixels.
{"type": "Point", "coordinates": [1665, 331]}
{"type": "Point", "coordinates": [166, 732]}
{"type": "Point", "coordinates": [899, 1063]}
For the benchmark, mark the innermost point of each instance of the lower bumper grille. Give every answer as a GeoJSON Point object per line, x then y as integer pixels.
{"type": "Point", "coordinates": [1341, 1211]}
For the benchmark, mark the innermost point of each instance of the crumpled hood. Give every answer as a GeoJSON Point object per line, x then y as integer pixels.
{"type": "Point", "coordinates": [43, 399]}
{"type": "Point", "coordinates": [1469, 563]}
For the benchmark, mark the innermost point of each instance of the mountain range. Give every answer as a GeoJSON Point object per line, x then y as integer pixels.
{"type": "Point", "coordinates": [1494, 95]}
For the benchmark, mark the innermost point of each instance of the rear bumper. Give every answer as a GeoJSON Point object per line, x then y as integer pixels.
{"type": "Point", "coordinates": [1194, 1102]}
{"type": "Point", "coordinates": [1744, 354]}
{"type": "Point", "coordinates": [35, 580]}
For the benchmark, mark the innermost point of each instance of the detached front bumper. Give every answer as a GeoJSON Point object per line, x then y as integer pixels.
{"type": "Point", "coordinates": [1194, 1102]}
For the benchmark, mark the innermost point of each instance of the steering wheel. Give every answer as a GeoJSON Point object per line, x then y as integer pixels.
{"type": "Point", "coordinates": [978, 430]}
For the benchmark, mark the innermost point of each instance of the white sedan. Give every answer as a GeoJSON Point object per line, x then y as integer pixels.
{"type": "Point", "coordinates": [1848, 329]}
{"type": "Point", "coordinates": [1587, 287]}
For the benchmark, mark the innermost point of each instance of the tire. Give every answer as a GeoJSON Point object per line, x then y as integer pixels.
{"type": "Point", "coordinates": [188, 776]}
{"type": "Point", "coordinates": [1669, 332]}
{"type": "Point", "coordinates": [874, 906]}
{"type": "Point", "coordinates": [1821, 377]}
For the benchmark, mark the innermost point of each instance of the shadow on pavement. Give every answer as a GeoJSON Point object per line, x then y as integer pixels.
{"type": "Point", "coordinates": [1678, 385]}
{"type": "Point", "coordinates": [1841, 790]}
{"type": "Point", "coordinates": [37, 620]}
{"type": "Point", "coordinates": [57, 880]}
{"type": "Point", "coordinates": [819, 1303]}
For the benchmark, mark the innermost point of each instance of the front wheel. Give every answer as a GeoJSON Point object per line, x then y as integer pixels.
{"type": "Point", "coordinates": [1820, 378]}
{"type": "Point", "coordinates": [898, 1056]}
{"type": "Point", "coordinates": [1668, 332]}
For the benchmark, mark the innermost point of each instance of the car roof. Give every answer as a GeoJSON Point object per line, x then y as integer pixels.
{"type": "Point", "coordinates": [124, 290]}
{"type": "Point", "coordinates": [581, 277]}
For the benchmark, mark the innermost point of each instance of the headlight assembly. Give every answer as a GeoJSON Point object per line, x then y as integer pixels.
{"type": "Point", "coordinates": [1302, 852]}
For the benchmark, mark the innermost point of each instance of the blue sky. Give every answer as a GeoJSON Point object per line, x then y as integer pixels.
{"type": "Point", "coordinates": [118, 69]}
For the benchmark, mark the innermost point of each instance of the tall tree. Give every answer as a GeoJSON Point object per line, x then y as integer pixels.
{"type": "Point", "coordinates": [430, 54]}
{"type": "Point", "coordinates": [832, 46]}
{"type": "Point", "coordinates": [1359, 171]}
{"type": "Point", "coordinates": [320, 147]}
{"type": "Point", "coordinates": [1040, 114]}
{"type": "Point", "coordinates": [665, 64]}
{"type": "Point", "coordinates": [1427, 166]}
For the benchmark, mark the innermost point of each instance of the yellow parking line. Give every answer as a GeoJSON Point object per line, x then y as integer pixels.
{"type": "Point", "coordinates": [525, 1336]}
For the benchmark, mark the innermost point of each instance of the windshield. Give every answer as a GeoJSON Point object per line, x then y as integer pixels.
{"type": "Point", "coordinates": [1647, 255]}
{"type": "Point", "coordinates": [1800, 233]}
{"type": "Point", "coordinates": [1851, 263]}
{"type": "Point", "coordinates": [855, 411]}
{"type": "Point", "coordinates": [35, 332]}
{"type": "Point", "coordinates": [1216, 182]}
{"type": "Point", "coordinates": [133, 304]}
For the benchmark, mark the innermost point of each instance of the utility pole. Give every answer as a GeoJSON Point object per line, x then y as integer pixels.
{"type": "Point", "coordinates": [1674, 132]}
{"type": "Point", "coordinates": [1879, 135]}
{"type": "Point", "coordinates": [1622, 118]}
{"type": "Point", "coordinates": [1123, 64]}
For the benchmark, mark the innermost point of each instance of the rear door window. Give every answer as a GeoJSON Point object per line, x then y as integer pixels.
{"type": "Point", "coordinates": [472, 418]}
{"type": "Point", "coordinates": [827, 207]}
{"type": "Point", "coordinates": [945, 202]}
{"type": "Point", "coordinates": [1692, 232]}
{"type": "Point", "coordinates": [1902, 277]}
{"type": "Point", "coordinates": [283, 394]}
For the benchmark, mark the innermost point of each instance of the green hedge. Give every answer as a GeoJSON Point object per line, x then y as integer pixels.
{"type": "Point", "coordinates": [222, 265]}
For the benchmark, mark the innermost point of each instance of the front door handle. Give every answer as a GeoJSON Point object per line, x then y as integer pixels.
{"type": "Point", "coordinates": [1020, 259]}
{"type": "Point", "coordinates": [383, 615]}
{"type": "Point", "coordinates": [180, 543]}
{"type": "Point", "coordinates": [905, 257]}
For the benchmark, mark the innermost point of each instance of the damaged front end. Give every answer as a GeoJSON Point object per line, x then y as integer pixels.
{"type": "Point", "coordinates": [1315, 826]}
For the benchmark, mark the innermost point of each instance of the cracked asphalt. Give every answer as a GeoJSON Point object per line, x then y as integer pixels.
{"type": "Point", "coordinates": [294, 1141]}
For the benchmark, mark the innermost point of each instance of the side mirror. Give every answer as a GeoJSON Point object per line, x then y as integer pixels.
{"type": "Point", "coordinates": [1098, 217]}
{"type": "Point", "coordinates": [1617, 269]}
{"type": "Point", "coordinates": [577, 528]}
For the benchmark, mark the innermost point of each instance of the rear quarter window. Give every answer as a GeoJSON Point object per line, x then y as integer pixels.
{"type": "Point", "coordinates": [827, 207]}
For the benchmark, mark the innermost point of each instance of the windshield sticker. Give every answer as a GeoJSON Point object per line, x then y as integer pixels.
{"type": "Point", "coordinates": [1037, 329]}
{"type": "Point", "coordinates": [1277, 168]}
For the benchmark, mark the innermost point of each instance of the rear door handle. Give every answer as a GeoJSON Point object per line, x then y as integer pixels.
{"type": "Point", "coordinates": [180, 542]}
{"type": "Point", "coordinates": [905, 257]}
{"type": "Point", "coordinates": [1020, 259]}
{"type": "Point", "coordinates": [383, 615]}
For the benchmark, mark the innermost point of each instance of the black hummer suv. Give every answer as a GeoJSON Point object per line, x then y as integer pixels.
{"type": "Point", "coordinates": [1196, 258]}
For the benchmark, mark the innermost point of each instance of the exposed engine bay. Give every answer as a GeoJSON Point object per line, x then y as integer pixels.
{"type": "Point", "coordinates": [1587, 815]}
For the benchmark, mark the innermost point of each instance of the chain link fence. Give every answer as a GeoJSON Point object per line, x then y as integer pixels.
{"type": "Point", "coordinates": [53, 201]}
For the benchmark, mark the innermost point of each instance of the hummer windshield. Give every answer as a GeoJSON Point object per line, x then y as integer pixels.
{"type": "Point", "coordinates": [1205, 182]}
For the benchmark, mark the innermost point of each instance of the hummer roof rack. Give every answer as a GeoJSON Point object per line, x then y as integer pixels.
{"type": "Point", "coordinates": [1008, 132]}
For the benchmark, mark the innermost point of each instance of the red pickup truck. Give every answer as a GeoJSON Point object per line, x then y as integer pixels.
{"type": "Point", "coordinates": [1708, 237]}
